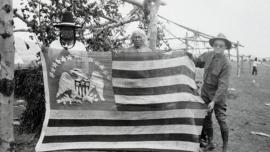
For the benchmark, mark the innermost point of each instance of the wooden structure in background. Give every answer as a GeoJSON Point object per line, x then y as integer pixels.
{"type": "Point", "coordinates": [237, 59]}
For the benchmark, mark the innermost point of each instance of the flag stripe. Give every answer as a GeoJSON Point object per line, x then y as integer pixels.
{"type": "Point", "coordinates": [142, 145]}
{"type": "Point", "coordinates": [153, 64]}
{"type": "Point", "coordinates": [154, 82]}
{"type": "Point", "coordinates": [154, 90]}
{"type": "Point", "coordinates": [127, 150]}
{"type": "Point", "coordinates": [161, 106]}
{"type": "Point", "coordinates": [112, 130]}
{"type": "Point", "coordinates": [124, 115]}
{"type": "Point", "coordinates": [154, 99]}
{"type": "Point", "coordinates": [104, 122]}
{"type": "Point", "coordinates": [119, 138]}
{"type": "Point", "coordinates": [153, 73]}
{"type": "Point", "coordinates": [143, 56]}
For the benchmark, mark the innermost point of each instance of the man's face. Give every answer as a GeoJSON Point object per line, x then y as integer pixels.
{"type": "Point", "coordinates": [67, 33]}
{"type": "Point", "coordinates": [219, 46]}
{"type": "Point", "coordinates": [137, 40]}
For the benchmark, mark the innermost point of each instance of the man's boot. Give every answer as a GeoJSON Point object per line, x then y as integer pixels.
{"type": "Point", "coordinates": [225, 138]}
{"type": "Point", "coordinates": [210, 134]}
{"type": "Point", "coordinates": [203, 138]}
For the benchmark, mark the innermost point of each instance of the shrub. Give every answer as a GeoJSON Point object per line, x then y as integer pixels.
{"type": "Point", "coordinates": [29, 86]}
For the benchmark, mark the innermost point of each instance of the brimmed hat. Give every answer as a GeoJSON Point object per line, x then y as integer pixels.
{"type": "Point", "coordinates": [221, 36]}
{"type": "Point", "coordinates": [67, 21]}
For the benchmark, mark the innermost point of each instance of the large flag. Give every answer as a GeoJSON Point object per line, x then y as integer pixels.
{"type": "Point", "coordinates": [123, 101]}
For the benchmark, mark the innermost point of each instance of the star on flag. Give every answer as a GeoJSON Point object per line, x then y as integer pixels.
{"type": "Point", "coordinates": [63, 59]}
{"type": "Point", "coordinates": [58, 61]}
{"type": "Point", "coordinates": [54, 65]}
{"type": "Point", "coordinates": [52, 69]}
{"type": "Point", "coordinates": [52, 75]}
{"type": "Point", "coordinates": [69, 57]}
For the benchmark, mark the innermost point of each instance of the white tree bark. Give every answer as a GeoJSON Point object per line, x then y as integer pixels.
{"type": "Point", "coordinates": [6, 75]}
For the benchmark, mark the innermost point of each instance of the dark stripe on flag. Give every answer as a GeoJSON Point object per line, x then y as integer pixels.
{"type": "Point", "coordinates": [142, 56]}
{"type": "Point", "coordinates": [119, 138]}
{"type": "Point", "coordinates": [124, 150]}
{"type": "Point", "coordinates": [153, 73]}
{"type": "Point", "coordinates": [106, 122]}
{"type": "Point", "coordinates": [161, 106]}
{"type": "Point", "coordinates": [179, 88]}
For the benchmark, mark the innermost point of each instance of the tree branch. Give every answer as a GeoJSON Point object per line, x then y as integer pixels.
{"type": "Point", "coordinates": [113, 25]}
{"type": "Point", "coordinates": [140, 4]}
{"type": "Point", "coordinates": [20, 17]}
{"type": "Point", "coordinates": [22, 30]}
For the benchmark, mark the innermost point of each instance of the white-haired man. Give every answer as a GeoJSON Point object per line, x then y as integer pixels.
{"type": "Point", "coordinates": [138, 41]}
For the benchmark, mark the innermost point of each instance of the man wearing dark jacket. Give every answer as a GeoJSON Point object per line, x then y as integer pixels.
{"type": "Point", "coordinates": [215, 86]}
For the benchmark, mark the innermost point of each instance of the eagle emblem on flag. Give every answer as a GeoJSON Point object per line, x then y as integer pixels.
{"type": "Point", "coordinates": [76, 87]}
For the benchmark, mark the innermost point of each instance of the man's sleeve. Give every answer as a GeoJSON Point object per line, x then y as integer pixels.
{"type": "Point", "coordinates": [223, 83]}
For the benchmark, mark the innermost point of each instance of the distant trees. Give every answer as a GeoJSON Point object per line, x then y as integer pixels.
{"type": "Point", "coordinates": [103, 24]}
{"type": "Point", "coordinates": [101, 21]}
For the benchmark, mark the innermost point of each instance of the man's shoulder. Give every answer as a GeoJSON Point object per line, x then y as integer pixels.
{"type": "Point", "coordinates": [207, 54]}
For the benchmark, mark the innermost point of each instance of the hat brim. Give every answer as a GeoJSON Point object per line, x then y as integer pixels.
{"type": "Point", "coordinates": [227, 42]}
{"type": "Point", "coordinates": [66, 24]}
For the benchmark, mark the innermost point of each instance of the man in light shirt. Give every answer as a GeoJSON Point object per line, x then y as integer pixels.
{"type": "Point", "coordinates": [255, 66]}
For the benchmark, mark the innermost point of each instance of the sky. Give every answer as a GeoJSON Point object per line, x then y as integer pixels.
{"type": "Point", "coordinates": [246, 21]}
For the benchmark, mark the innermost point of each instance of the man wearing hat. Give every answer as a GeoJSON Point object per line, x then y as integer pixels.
{"type": "Point", "coordinates": [67, 34]}
{"type": "Point", "coordinates": [215, 85]}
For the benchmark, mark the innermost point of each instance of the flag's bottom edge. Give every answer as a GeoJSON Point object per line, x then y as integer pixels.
{"type": "Point", "coordinates": [121, 150]}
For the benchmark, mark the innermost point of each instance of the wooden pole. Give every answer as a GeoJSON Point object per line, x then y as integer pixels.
{"type": "Point", "coordinates": [242, 64]}
{"type": "Point", "coordinates": [229, 54]}
{"type": "Point", "coordinates": [7, 51]}
{"type": "Point", "coordinates": [152, 7]}
{"type": "Point", "coordinates": [237, 57]}
{"type": "Point", "coordinates": [186, 41]}
{"type": "Point", "coordinates": [249, 61]}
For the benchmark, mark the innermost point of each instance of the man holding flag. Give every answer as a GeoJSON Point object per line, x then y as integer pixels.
{"type": "Point", "coordinates": [215, 86]}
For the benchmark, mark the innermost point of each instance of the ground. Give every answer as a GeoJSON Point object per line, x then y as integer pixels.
{"type": "Point", "coordinates": [248, 112]}
{"type": "Point", "coordinates": [245, 114]}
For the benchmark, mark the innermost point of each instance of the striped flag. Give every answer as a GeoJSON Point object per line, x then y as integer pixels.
{"type": "Point", "coordinates": [150, 104]}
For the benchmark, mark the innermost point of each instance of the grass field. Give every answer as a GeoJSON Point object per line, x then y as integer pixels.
{"type": "Point", "coordinates": [245, 114]}
{"type": "Point", "coordinates": [248, 112]}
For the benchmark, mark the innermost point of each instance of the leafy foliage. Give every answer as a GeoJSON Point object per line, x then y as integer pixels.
{"type": "Point", "coordinates": [90, 14]}
{"type": "Point", "coordinates": [29, 85]}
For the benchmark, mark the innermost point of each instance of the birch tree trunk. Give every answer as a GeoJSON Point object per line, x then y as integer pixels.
{"type": "Point", "coordinates": [7, 51]}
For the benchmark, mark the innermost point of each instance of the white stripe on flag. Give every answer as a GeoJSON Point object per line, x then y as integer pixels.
{"type": "Point", "coordinates": [154, 99]}
{"type": "Point", "coordinates": [153, 64]}
{"type": "Point", "coordinates": [171, 145]}
{"type": "Point", "coordinates": [116, 130]}
{"type": "Point", "coordinates": [123, 115]}
{"type": "Point", "coordinates": [154, 82]}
